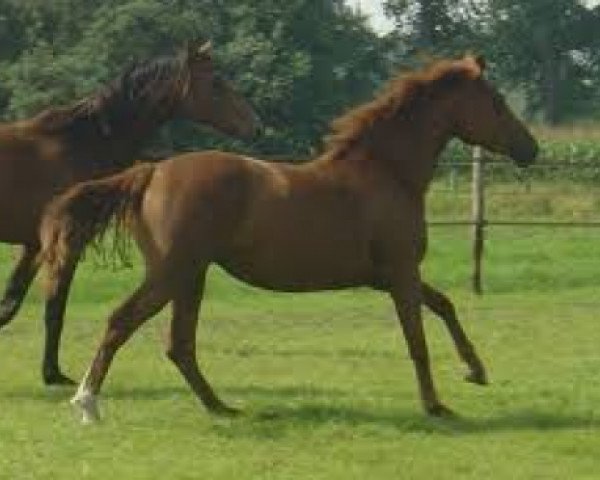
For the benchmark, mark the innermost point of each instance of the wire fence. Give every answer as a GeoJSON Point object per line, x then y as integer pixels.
{"type": "Point", "coordinates": [486, 192]}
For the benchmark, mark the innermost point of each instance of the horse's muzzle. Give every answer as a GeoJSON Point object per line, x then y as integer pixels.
{"type": "Point", "coordinates": [525, 154]}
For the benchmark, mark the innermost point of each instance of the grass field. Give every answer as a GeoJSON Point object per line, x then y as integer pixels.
{"type": "Point", "coordinates": [325, 380]}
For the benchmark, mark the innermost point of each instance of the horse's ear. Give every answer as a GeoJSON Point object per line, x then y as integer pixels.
{"type": "Point", "coordinates": [476, 64]}
{"type": "Point", "coordinates": [195, 53]}
{"type": "Point", "coordinates": [205, 50]}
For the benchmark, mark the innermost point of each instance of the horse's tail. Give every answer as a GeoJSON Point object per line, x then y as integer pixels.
{"type": "Point", "coordinates": [85, 211]}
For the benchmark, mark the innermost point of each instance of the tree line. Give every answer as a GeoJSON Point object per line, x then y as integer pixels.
{"type": "Point", "coordinates": [549, 50]}
{"type": "Point", "coordinates": [302, 62]}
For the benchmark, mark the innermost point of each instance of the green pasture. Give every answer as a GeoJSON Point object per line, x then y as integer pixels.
{"type": "Point", "coordinates": [324, 379]}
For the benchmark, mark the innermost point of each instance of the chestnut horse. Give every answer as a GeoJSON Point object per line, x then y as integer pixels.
{"type": "Point", "coordinates": [354, 216]}
{"type": "Point", "coordinates": [98, 136]}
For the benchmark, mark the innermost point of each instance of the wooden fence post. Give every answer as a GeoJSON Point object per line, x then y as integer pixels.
{"type": "Point", "coordinates": [478, 219]}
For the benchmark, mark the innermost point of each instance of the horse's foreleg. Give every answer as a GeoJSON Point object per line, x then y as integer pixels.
{"type": "Point", "coordinates": [406, 293]}
{"type": "Point", "coordinates": [18, 284]}
{"type": "Point", "coordinates": [54, 319]}
{"type": "Point", "coordinates": [147, 300]}
{"type": "Point", "coordinates": [442, 306]}
{"type": "Point", "coordinates": [181, 342]}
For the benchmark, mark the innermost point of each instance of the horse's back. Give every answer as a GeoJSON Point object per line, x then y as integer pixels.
{"type": "Point", "coordinates": [193, 202]}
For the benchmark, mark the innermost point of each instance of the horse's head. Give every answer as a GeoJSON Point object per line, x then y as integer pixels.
{"type": "Point", "coordinates": [211, 99]}
{"type": "Point", "coordinates": [482, 117]}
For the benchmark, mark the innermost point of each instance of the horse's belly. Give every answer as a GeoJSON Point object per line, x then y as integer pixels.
{"type": "Point", "coordinates": [26, 186]}
{"type": "Point", "coordinates": [18, 221]}
{"type": "Point", "coordinates": [300, 233]}
{"type": "Point", "coordinates": [308, 268]}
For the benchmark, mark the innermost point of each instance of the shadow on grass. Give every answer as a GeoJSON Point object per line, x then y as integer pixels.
{"type": "Point", "coordinates": [313, 407]}
{"type": "Point", "coordinates": [308, 407]}
{"type": "Point", "coordinates": [50, 395]}
{"type": "Point", "coordinates": [412, 421]}
{"type": "Point", "coordinates": [61, 394]}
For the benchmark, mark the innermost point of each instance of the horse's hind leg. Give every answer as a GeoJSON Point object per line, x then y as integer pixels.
{"type": "Point", "coordinates": [442, 306]}
{"type": "Point", "coordinates": [54, 319]}
{"type": "Point", "coordinates": [181, 342]}
{"type": "Point", "coordinates": [147, 300]}
{"type": "Point", "coordinates": [18, 284]}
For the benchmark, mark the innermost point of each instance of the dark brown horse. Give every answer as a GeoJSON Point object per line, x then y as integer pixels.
{"type": "Point", "coordinates": [353, 216]}
{"type": "Point", "coordinates": [98, 136]}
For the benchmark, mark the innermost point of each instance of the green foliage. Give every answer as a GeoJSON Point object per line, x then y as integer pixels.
{"type": "Point", "coordinates": [42, 77]}
{"type": "Point", "coordinates": [575, 152]}
{"type": "Point", "coordinates": [442, 27]}
{"type": "Point", "coordinates": [301, 62]}
{"type": "Point", "coordinates": [546, 48]}
{"type": "Point", "coordinates": [549, 47]}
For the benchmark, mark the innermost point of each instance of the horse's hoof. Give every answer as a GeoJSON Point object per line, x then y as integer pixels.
{"type": "Point", "coordinates": [477, 377]}
{"type": "Point", "coordinates": [87, 405]}
{"type": "Point", "coordinates": [58, 379]}
{"type": "Point", "coordinates": [440, 410]}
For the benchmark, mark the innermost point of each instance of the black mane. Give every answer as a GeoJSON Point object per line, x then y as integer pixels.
{"type": "Point", "coordinates": [143, 92]}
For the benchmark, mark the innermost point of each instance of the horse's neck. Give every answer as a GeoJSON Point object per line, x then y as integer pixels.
{"type": "Point", "coordinates": [402, 150]}
{"type": "Point", "coordinates": [132, 128]}
{"type": "Point", "coordinates": [409, 148]}
{"type": "Point", "coordinates": [108, 149]}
